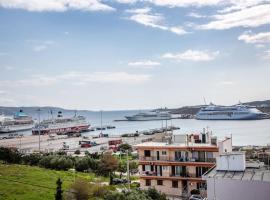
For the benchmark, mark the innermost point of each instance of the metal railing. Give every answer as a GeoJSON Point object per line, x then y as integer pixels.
{"type": "Point", "coordinates": [180, 159]}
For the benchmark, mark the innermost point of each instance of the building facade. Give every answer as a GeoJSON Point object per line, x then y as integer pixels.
{"type": "Point", "coordinates": [176, 168]}
{"type": "Point", "coordinates": [234, 178]}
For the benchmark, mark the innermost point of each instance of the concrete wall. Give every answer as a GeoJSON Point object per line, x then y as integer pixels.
{"type": "Point", "coordinates": [225, 145]}
{"type": "Point", "coordinates": [227, 189]}
{"type": "Point", "coordinates": [165, 188]}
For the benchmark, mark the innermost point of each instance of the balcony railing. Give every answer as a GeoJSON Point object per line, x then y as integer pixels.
{"type": "Point", "coordinates": [149, 173]}
{"type": "Point", "coordinates": [180, 159]}
{"type": "Point", "coordinates": [185, 174]}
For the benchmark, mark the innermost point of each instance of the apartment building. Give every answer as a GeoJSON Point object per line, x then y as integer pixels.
{"type": "Point", "coordinates": [235, 178]}
{"type": "Point", "coordinates": [176, 167]}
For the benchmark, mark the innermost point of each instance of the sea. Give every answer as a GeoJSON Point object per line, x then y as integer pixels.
{"type": "Point", "coordinates": [243, 132]}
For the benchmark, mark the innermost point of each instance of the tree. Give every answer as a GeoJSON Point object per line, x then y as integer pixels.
{"type": "Point", "coordinates": [125, 147]}
{"type": "Point", "coordinates": [58, 195]}
{"type": "Point", "coordinates": [79, 190]}
{"type": "Point", "coordinates": [122, 168]}
{"type": "Point", "coordinates": [108, 164]}
{"type": "Point", "coordinates": [10, 155]}
{"type": "Point", "coordinates": [155, 195]}
{"type": "Point", "coordinates": [133, 166]}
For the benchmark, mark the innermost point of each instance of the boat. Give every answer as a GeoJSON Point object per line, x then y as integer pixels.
{"type": "Point", "coordinates": [149, 116]}
{"type": "Point", "coordinates": [61, 125]}
{"type": "Point", "coordinates": [20, 121]}
{"type": "Point", "coordinates": [235, 112]}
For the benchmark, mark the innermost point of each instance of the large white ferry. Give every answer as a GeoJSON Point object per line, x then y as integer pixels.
{"type": "Point", "coordinates": [18, 122]}
{"type": "Point", "coordinates": [150, 116]}
{"type": "Point", "coordinates": [237, 112]}
{"type": "Point", "coordinates": [62, 125]}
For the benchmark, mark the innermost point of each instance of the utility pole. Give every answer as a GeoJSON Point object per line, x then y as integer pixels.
{"type": "Point", "coordinates": [101, 122]}
{"type": "Point", "coordinates": [39, 129]}
{"type": "Point", "coordinates": [128, 177]}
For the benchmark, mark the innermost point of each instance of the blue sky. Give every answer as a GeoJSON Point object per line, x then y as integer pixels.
{"type": "Point", "coordinates": [133, 54]}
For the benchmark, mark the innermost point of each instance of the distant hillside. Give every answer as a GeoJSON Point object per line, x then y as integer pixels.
{"type": "Point", "coordinates": [265, 103]}
{"type": "Point", "coordinates": [45, 109]}
{"type": "Point", "coordinates": [264, 106]}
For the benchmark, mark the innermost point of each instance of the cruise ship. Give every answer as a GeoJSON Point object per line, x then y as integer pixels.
{"type": "Point", "coordinates": [237, 112]}
{"type": "Point", "coordinates": [151, 116]}
{"type": "Point", "coordinates": [18, 122]}
{"type": "Point", "coordinates": [61, 125]}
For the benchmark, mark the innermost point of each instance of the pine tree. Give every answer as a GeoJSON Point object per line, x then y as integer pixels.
{"type": "Point", "coordinates": [58, 195]}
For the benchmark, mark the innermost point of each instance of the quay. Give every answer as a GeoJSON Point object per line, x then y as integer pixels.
{"type": "Point", "coordinates": [30, 143]}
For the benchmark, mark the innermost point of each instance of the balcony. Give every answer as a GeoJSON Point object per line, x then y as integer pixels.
{"type": "Point", "coordinates": [181, 159]}
{"type": "Point", "coordinates": [149, 173]}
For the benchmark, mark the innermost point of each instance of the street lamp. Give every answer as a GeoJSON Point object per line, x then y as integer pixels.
{"type": "Point", "coordinates": [39, 129]}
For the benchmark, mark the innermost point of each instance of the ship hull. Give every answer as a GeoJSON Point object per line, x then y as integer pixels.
{"type": "Point", "coordinates": [61, 131]}
{"type": "Point", "coordinates": [147, 119]}
{"type": "Point", "coordinates": [229, 117]}
{"type": "Point", "coordinates": [15, 128]}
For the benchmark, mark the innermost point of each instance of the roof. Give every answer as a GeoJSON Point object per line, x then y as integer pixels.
{"type": "Point", "coordinates": [250, 174]}
{"type": "Point", "coordinates": [174, 145]}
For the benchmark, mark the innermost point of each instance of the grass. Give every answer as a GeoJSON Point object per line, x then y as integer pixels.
{"type": "Point", "coordinates": [22, 182]}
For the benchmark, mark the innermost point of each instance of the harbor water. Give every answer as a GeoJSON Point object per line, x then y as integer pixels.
{"type": "Point", "coordinates": [244, 132]}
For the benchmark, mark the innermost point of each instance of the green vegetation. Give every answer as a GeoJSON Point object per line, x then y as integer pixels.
{"type": "Point", "coordinates": [22, 182]}
{"type": "Point", "coordinates": [51, 176]}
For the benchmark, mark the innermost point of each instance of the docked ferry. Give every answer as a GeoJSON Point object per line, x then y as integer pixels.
{"type": "Point", "coordinates": [237, 112]}
{"type": "Point", "coordinates": [20, 121]}
{"type": "Point", "coordinates": [62, 125]}
{"type": "Point", "coordinates": [151, 116]}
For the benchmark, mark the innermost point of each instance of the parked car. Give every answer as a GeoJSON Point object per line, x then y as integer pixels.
{"type": "Point", "coordinates": [116, 181]}
{"type": "Point", "coordinates": [195, 197]}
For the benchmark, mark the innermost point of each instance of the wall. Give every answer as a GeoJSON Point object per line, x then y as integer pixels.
{"type": "Point", "coordinates": [225, 145]}
{"type": "Point", "coordinates": [227, 189]}
{"type": "Point", "coordinates": [165, 188]}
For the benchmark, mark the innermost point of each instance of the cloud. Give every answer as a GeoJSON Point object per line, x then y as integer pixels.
{"type": "Point", "coordinates": [127, 1]}
{"type": "Point", "coordinates": [74, 78]}
{"type": "Point", "coordinates": [249, 17]}
{"type": "Point", "coordinates": [226, 83]}
{"type": "Point", "coordinates": [2, 92]}
{"type": "Point", "coordinates": [41, 45]}
{"type": "Point", "coordinates": [266, 55]}
{"type": "Point", "coordinates": [178, 30]}
{"type": "Point", "coordinates": [196, 15]}
{"type": "Point", "coordinates": [145, 17]}
{"type": "Point", "coordinates": [187, 3]}
{"type": "Point", "coordinates": [251, 38]}
{"type": "Point", "coordinates": [192, 55]}
{"type": "Point", "coordinates": [144, 63]}
{"type": "Point", "coordinates": [56, 5]}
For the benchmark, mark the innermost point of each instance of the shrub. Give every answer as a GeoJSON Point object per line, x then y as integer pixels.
{"type": "Point", "coordinates": [10, 155]}
{"type": "Point", "coordinates": [194, 191]}
{"type": "Point", "coordinates": [77, 152]}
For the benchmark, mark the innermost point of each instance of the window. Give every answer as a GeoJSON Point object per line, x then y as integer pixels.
{"type": "Point", "coordinates": [147, 182]}
{"type": "Point", "coordinates": [164, 153]}
{"type": "Point", "coordinates": [164, 167]}
{"type": "Point", "coordinates": [159, 182]}
{"type": "Point", "coordinates": [200, 171]}
{"type": "Point", "coordinates": [147, 153]}
{"type": "Point", "coordinates": [175, 184]}
{"type": "Point", "coordinates": [147, 168]}
{"type": "Point", "coordinates": [180, 170]}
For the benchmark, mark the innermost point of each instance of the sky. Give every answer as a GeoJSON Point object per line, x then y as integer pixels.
{"type": "Point", "coordinates": [133, 54]}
